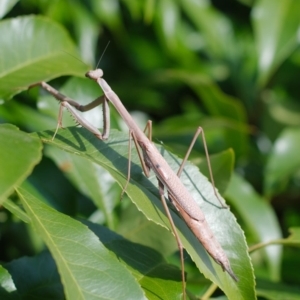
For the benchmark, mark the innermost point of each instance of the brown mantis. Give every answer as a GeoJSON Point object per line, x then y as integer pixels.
{"type": "Point", "coordinates": [150, 158]}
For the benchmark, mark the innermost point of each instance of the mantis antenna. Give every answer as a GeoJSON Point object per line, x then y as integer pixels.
{"type": "Point", "coordinates": [102, 55]}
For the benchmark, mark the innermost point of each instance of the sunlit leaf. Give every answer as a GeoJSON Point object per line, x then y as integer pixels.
{"type": "Point", "coordinates": [14, 168]}
{"type": "Point", "coordinates": [86, 267]}
{"type": "Point", "coordinates": [42, 50]}
{"type": "Point", "coordinates": [8, 289]}
{"type": "Point", "coordinates": [6, 5]}
{"type": "Point", "coordinates": [283, 161]}
{"type": "Point", "coordinates": [276, 27]}
{"type": "Point", "coordinates": [112, 155]}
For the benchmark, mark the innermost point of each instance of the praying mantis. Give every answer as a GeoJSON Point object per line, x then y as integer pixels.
{"type": "Point", "coordinates": [151, 159]}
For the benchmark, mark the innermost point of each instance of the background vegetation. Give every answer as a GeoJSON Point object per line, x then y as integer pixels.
{"type": "Point", "coordinates": [228, 66]}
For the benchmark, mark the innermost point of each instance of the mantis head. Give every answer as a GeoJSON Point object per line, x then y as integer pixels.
{"type": "Point", "coordinates": [94, 74]}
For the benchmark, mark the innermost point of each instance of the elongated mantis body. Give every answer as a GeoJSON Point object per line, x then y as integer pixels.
{"type": "Point", "coordinates": [150, 159]}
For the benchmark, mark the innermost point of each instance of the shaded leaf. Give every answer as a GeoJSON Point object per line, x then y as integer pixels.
{"type": "Point", "coordinates": [36, 277]}
{"type": "Point", "coordinates": [158, 279]}
{"type": "Point", "coordinates": [136, 227]}
{"type": "Point", "coordinates": [277, 291]}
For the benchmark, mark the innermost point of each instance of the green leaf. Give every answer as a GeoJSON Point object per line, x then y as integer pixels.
{"type": "Point", "coordinates": [84, 25]}
{"type": "Point", "coordinates": [112, 155]}
{"type": "Point", "coordinates": [79, 89]}
{"type": "Point", "coordinates": [277, 291]}
{"type": "Point", "coordinates": [5, 6]}
{"type": "Point", "coordinates": [42, 50]}
{"type": "Point", "coordinates": [222, 168]}
{"type": "Point", "coordinates": [38, 279]}
{"type": "Point", "coordinates": [25, 116]}
{"type": "Point", "coordinates": [169, 10]}
{"type": "Point", "coordinates": [229, 115]}
{"type": "Point", "coordinates": [292, 240]}
{"type": "Point", "coordinates": [215, 27]}
{"type": "Point", "coordinates": [90, 179]}
{"type": "Point", "coordinates": [216, 101]}
{"type": "Point", "coordinates": [16, 210]}
{"type": "Point", "coordinates": [86, 267]}
{"type": "Point", "coordinates": [136, 227]}
{"type": "Point", "coordinates": [19, 153]}
{"type": "Point", "coordinates": [108, 11]}
{"type": "Point", "coordinates": [276, 27]}
{"type": "Point", "coordinates": [259, 217]}
{"type": "Point", "coordinates": [8, 289]}
{"type": "Point", "coordinates": [283, 161]}
{"type": "Point", "coordinates": [158, 279]}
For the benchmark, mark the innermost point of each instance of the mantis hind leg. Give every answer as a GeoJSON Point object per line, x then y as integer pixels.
{"type": "Point", "coordinates": [145, 168]}
{"type": "Point", "coordinates": [179, 243]}
{"type": "Point", "coordinates": [198, 132]}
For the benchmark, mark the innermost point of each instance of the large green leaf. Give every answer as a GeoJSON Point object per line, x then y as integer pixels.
{"type": "Point", "coordinates": [259, 217]}
{"type": "Point", "coordinates": [19, 153]}
{"type": "Point", "coordinates": [87, 269]}
{"type": "Point", "coordinates": [222, 166]}
{"type": "Point", "coordinates": [158, 279]}
{"type": "Point", "coordinates": [283, 161]}
{"type": "Point", "coordinates": [276, 27]}
{"type": "Point", "coordinates": [90, 179]}
{"type": "Point", "coordinates": [136, 227]}
{"type": "Point", "coordinates": [112, 155]}
{"type": "Point", "coordinates": [34, 48]}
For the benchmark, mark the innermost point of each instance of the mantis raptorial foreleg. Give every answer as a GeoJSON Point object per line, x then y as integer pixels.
{"type": "Point", "coordinates": [151, 158]}
{"type": "Point", "coordinates": [70, 104]}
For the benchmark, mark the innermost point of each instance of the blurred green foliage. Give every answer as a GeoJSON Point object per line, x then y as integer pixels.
{"type": "Point", "coordinates": [228, 66]}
